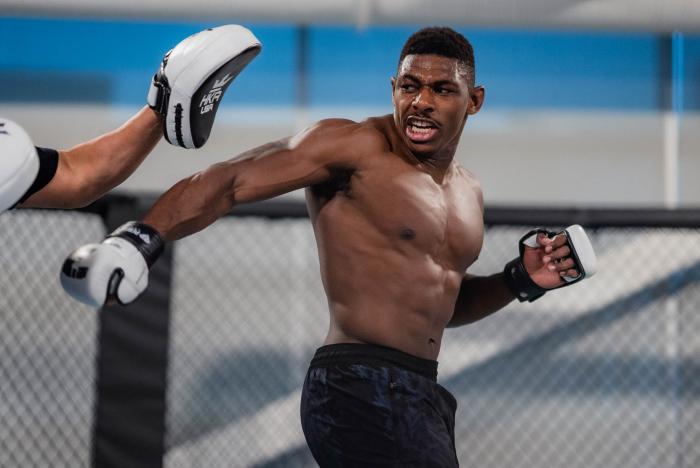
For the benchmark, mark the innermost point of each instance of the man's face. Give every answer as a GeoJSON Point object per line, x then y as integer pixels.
{"type": "Point", "coordinates": [432, 100]}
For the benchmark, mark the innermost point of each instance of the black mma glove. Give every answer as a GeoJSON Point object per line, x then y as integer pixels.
{"type": "Point", "coordinates": [519, 280]}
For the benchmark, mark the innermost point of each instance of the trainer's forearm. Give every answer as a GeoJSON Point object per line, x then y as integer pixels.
{"type": "Point", "coordinates": [105, 162]}
{"type": "Point", "coordinates": [91, 169]}
{"type": "Point", "coordinates": [109, 159]}
{"type": "Point", "coordinates": [479, 297]}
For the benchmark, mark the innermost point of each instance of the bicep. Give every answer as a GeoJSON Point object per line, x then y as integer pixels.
{"type": "Point", "coordinates": [273, 173]}
{"type": "Point", "coordinates": [292, 163]}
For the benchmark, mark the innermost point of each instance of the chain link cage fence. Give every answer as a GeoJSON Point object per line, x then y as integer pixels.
{"type": "Point", "coordinates": [47, 342]}
{"type": "Point", "coordinates": [602, 374]}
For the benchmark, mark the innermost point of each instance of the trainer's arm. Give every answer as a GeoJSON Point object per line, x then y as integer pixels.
{"type": "Point", "coordinates": [91, 169]}
{"type": "Point", "coordinates": [269, 170]}
{"type": "Point", "coordinates": [479, 297]}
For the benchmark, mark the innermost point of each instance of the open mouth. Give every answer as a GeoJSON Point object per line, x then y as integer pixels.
{"type": "Point", "coordinates": [420, 130]}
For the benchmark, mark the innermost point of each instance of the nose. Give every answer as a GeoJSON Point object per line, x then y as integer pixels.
{"type": "Point", "coordinates": [423, 101]}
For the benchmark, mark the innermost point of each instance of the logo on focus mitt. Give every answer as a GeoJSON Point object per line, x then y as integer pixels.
{"type": "Point", "coordinates": [193, 77]}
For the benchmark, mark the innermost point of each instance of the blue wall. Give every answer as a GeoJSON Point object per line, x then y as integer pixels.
{"type": "Point", "coordinates": [49, 57]}
{"type": "Point", "coordinates": [691, 67]}
{"type": "Point", "coordinates": [73, 60]}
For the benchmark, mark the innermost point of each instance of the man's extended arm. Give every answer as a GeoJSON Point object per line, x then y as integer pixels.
{"type": "Point", "coordinates": [269, 170]}
{"type": "Point", "coordinates": [118, 267]}
{"type": "Point", "coordinates": [89, 170]}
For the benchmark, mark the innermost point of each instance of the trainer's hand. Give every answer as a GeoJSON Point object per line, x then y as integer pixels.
{"type": "Point", "coordinates": [193, 77]}
{"type": "Point", "coordinates": [115, 270]}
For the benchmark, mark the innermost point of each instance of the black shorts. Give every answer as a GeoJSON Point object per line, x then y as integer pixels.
{"type": "Point", "coordinates": [370, 406]}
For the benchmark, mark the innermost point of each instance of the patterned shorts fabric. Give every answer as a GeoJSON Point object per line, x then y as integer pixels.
{"type": "Point", "coordinates": [371, 406]}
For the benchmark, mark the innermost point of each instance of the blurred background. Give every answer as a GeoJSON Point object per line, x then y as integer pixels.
{"type": "Point", "coordinates": [591, 116]}
{"type": "Point", "coordinates": [583, 102]}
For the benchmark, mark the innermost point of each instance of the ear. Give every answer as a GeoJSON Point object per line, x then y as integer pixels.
{"type": "Point", "coordinates": [476, 97]}
{"type": "Point", "coordinates": [393, 87]}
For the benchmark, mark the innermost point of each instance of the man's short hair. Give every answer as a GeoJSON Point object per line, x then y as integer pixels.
{"type": "Point", "coordinates": [442, 41]}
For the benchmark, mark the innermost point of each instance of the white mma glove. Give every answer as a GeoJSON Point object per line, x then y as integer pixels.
{"type": "Point", "coordinates": [19, 163]}
{"type": "Point", "coordinates": [518, 279]}
{"type": "Point", "coordinates": [193, 77]}
{"type": "Point", "coordinates": [116, 269]}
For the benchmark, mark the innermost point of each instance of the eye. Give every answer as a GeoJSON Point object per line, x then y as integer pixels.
{"type": "Point", "coordinates": [408, 87]}
{"type": "Point", "coordinates": [442, 90]}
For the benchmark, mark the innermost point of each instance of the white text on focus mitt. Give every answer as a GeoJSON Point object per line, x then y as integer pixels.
{"type": "Point", "coordinates": [188, 87]}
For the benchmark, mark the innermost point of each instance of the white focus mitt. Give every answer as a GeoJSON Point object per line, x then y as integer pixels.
{"type": "Point", "coordinates": [19, 163]}
{"type": "Point", "coordinates": [193, 77]}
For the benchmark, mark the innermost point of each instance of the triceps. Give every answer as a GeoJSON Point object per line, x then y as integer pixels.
{"type": "Point", "coordinates": [262, 150]}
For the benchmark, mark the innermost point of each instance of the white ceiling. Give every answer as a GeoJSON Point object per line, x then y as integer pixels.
{"type": "Point", "coordinates": [647, 15]}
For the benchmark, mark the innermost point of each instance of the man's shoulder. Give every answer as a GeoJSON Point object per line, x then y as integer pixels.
{"type": "Point", "coordinates": [378, 130]}
{"type": "Point", "coordinates": [369, 134]}
{"type": "Point", "coordinates": [378, 123]}
{"type": "Point", "coordinates": [463, 171]}
{"type": "Point", "coordinates": [470, 180]}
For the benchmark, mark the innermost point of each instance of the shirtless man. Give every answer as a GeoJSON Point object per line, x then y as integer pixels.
{"type": "Point", "coordinates": [397, 223]}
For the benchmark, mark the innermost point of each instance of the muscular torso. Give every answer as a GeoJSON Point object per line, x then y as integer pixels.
{"type": "Point", "coordinates": [394, 242]}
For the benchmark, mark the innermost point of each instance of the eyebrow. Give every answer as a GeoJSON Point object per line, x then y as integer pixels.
{"type": "Point", "coordinates": [435, 83]}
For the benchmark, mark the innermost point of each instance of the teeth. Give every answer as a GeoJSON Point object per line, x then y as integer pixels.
{"type": "Point", "coordinates": [421, 124]}
{"type": "Point", "coordinates": [419, 129]}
